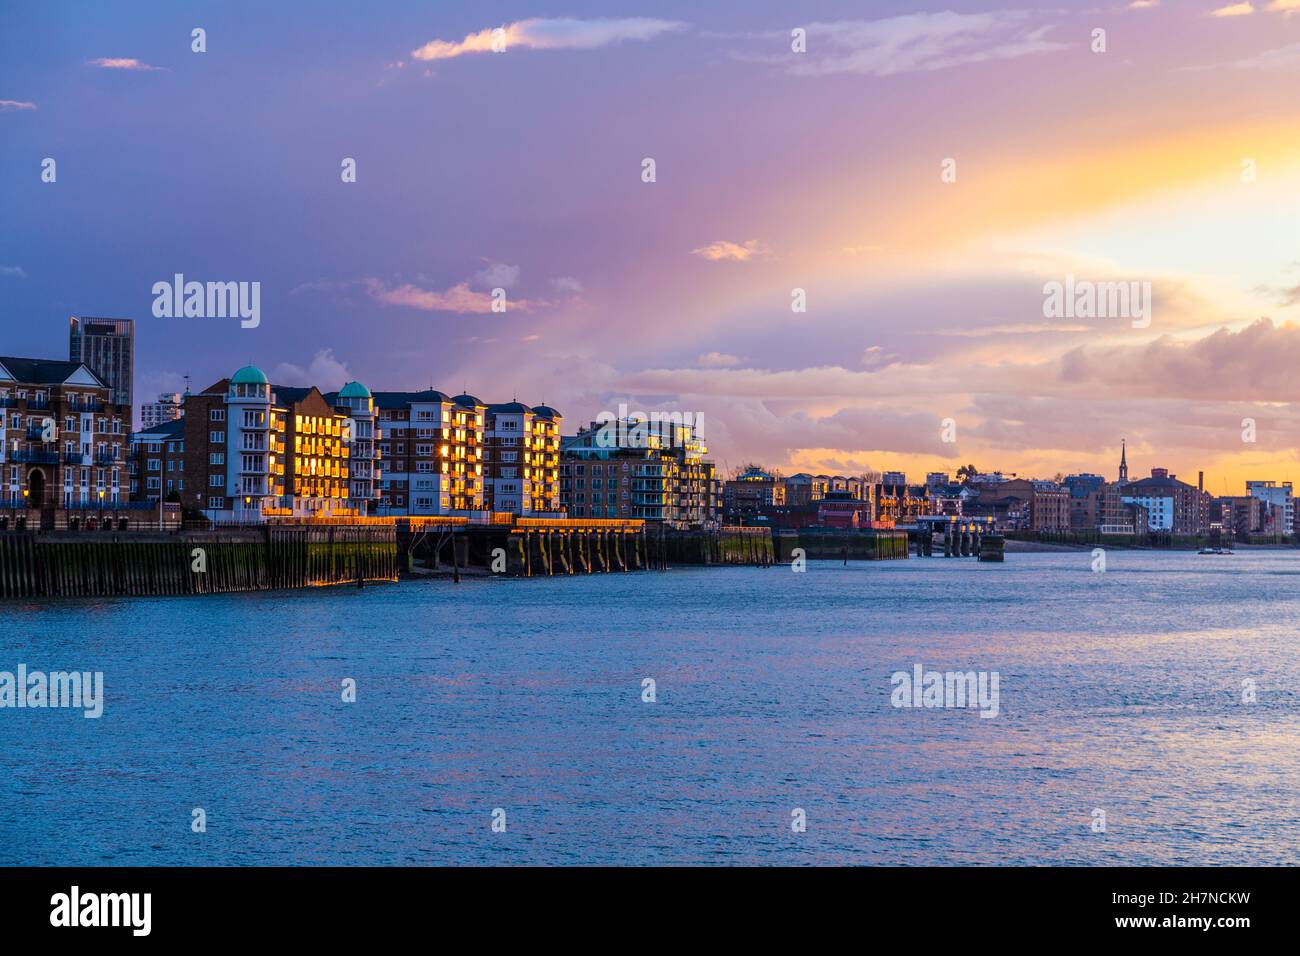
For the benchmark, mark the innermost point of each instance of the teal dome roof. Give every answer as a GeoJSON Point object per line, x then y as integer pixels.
{"type": "Point", "coordinates": [354, 390]}
{"type": "Point", "coordinates": [249, 375]}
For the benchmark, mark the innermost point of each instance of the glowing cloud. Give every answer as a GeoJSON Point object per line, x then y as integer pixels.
{"type": "Point", "coordinates": [723, 250]}
{"type": "Point", "coordinates": [12, 106]}
{"type": "Point", "coordinates": [126, 63]}
{"type": "Point", "coordinates": [460, 298]}
{"type": "Point", "coordinates": [549, 34]}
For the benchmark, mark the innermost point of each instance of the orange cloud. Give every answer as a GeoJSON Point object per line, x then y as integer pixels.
{"type": "Point", "coordinates": [548, 34]}
{"type": "Point", "coordinates": [724, 250]}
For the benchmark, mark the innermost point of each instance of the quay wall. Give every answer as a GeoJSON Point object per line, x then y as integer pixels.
{"type": "Point", "coordinates": [866, 544]}
{"type": "Point", "coordinates": [107, 564]}
{"type": "Point", "coordinates": [577, 547]}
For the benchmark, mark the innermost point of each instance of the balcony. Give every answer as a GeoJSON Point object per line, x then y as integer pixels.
{"type": "Point", "coordinates": [35, 457]}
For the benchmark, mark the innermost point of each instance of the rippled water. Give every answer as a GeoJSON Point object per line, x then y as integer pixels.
{"type": "Point", "coordinates": [1119, 691]}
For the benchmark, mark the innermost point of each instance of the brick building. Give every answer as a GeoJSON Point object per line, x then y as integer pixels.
{"type": "Point", "coordinates": [63, 442]}
{"type": "Point", "coordinates": [254, 451]}
{"type": "Point", "coordinates": [521, 458]}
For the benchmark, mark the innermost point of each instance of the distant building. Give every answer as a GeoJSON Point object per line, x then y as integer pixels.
{"type": "Point", "coordinates": [895, 478]}
{"type": "Point", "coordinates": [950, 499]}
{"type": "Point", "coordinates": [1172, 506]}
{"type": "Point", "coordinates": [1242, 514]}
{"type": "Point", "coordinates": [1279, 496]}
{"type": "Point", "coordinates": [805, 489]}
{"type": "Point", "coordinates": [107, 348]}
{"type": "Point", "coordinates": [753, 493]}
{"type": "Point", "coordinates": [1049, 503]}
{"type": "Point", "coordinates": [936, 479]}
{"type": "Point", "coordinates": [169, 407]}
{"type": "Point", "coordinates": [1009, 512]}
{"type": "Point", "coordinates": [988, 478]}
{"type": "Point", "coordinates": [900, 502]}
{"type": "Point", "coordinates": [1097, 505]}
{"type": "Point", "coordinates": [843, 509]}
{"type": "Point", "coordinates": [617, 470]}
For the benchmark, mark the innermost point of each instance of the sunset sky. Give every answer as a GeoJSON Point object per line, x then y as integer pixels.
{"type": "Point", "coordinates": [775, 170]}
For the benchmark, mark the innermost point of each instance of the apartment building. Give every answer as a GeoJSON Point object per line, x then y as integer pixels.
{"type": "Point", "coordinates": [254, 451]}
{"type": "Point", "coordinates": [432, 450]}
{"type": "Point", "coordinates": [365, 467]}
{"type": "Point", "coordinates": [1049, 503]}
{"type": "Point", "coordinates": [156, 467]}
{"type": "Point", "coordinates": [804, 489]}
{"type": "Point", "coordinates": [1172, 505]}
{"type": "Point", "coordinates": [169, 407]}
{"type": "Point", "coordinates": [624, 470]}
{"type": "Point", "coordinates": [63, 440]}
{"type": "Point", "coordinates": [1279, 497]}
{"type": "Point", "coordinates": [900, 502]}
{"type": "Point", "coordinates": [521, 458]}
{"type": "Point", "coordinates": [752, 493]}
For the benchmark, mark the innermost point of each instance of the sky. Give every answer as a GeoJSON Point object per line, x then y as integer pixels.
{"type": "Point", "coordinates": [921, 172]}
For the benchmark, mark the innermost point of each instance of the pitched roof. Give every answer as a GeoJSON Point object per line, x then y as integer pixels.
{"type": "Point", "coordinates": [402, 399]}
{"type": "Point", "coordinates": [44, 371]}
{"type": "Point", "coordinates": [1149, 485]}
{"type": "Point", "coordinates": [289, 394]}
{"type": "Point", "coordinates": [166, 431]}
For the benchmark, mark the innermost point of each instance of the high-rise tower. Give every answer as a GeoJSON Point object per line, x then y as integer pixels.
{"type": "Point", "coordinates": [107, 348]}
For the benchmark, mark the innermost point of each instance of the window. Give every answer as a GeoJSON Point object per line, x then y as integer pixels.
{"type": "Point", "coordinates": [217, 458]}
{"type": "Point", "coordinates": [216, 504]}
{"type": "Point", "coordinates": [217, 481]}
{"type": "Point", "coordinates": [216, 438]}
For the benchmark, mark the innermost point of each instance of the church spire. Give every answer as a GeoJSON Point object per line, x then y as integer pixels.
{"type": "Point", "coordinates": [1123, 462]}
